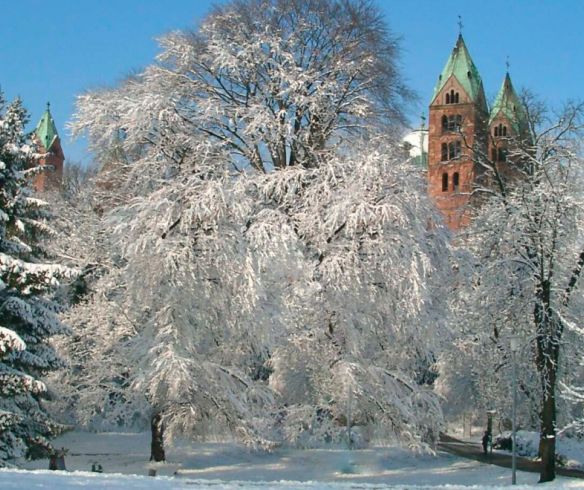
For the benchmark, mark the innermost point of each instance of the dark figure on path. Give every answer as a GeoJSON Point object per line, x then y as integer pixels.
{"type": "Point", "coordinates": [486, 440]}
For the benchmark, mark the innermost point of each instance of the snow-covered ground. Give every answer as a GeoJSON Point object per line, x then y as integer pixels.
{"type": "Point", "coordinates": [221, 466]}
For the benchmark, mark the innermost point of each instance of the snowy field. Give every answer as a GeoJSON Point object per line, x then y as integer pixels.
{"type": "Point", "coordinates": [124, 458]}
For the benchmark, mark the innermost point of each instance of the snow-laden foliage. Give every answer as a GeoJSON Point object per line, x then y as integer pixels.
{"type": "Point", "coordinates": [276, 272]}
{"type": "Point", "coordinates": [358, 305]}
{"type": "Point", "coordinates": [274, 82]}
{"type": "Point", "coordinates": [524, 265]}
{"type": "Point", "coordinates": [28, 316]}
{"type": "Point", "coordinates": [92, 390]}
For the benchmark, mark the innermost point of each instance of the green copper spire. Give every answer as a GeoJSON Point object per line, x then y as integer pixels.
{"type": "Point", "coordinates": [508, 104]}
{"type": "Point", "coordinates": [46, 131]}
{"type": "Point", "coordinates": [461, 66]}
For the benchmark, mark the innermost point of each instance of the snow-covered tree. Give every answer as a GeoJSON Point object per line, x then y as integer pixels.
{"type": "Point", "coordinates": [92, 390]}
{"type": "Point", "coordinates": [277, 251]}
{"type": "Point", "coordinates": [274, 82]}
{"type": "Point", "coordinates": [28, 316]}
{"type": "Point", "coordinates": [358, 307]}
{"type": "Point", "coordinates": [527, 258]}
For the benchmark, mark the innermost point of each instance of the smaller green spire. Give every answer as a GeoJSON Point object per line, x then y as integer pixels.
{"type": "Point", "coordinates": [510, 106]}
{"type": "Point", "coordinates": [46, 131]}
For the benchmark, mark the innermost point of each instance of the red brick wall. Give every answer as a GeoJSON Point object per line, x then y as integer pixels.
{"type": "Point", "coordinates": [452, 203]}
{"type": "Point", "coordinates": [50, 178]}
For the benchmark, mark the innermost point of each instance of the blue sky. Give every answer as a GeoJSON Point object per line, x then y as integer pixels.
{"type": "Point", "coordinates": [54, 50]}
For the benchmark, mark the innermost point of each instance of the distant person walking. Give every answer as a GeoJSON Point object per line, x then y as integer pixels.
{"type": "Point", "coordinates": [486, 440]}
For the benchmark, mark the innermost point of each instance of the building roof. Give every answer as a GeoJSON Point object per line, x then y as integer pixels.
{"type": "Point", "coordinates": [46, 131]}
{"type": "Point", "coordinates": [511, 107]}
{"type": "Point", "coordinates": [461, 66]}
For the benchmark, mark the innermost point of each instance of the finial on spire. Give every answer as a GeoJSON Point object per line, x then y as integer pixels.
{"type": "Point", "coordinates": [460, 25]}
{"type": "Point", "coordinates": [423, 121]}
{"type": "Point", "coordinates": [507, 64]}
{"type": "Point", "coordinates": [48, 106]}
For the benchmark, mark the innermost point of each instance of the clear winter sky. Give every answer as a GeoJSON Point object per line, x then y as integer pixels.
{"type": "Point", "coordinates": [52, 50]}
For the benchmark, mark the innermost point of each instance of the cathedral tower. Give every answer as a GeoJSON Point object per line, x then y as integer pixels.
{"type": "Point", "coordinates": [458, 118]}
{"type": "Point", "coordinates": [508, 127]}
{"type": "Point", "coordinates": [48, 140]}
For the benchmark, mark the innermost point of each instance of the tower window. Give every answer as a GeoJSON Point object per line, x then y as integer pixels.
{"type": "Point", "coordinates": [494, 154]}
{"type": "Point", "coordinates": [500, 130]}
{"type": "Point", "coordinates": [502, 156]}
{"type": "Point", "coordinates": [455, 181]}
{"type": "Point", "coordinates": [454, 150]}
{"type": "Point", "coordinates": [451, 123]}
{"type": "Point", "coordinates": [445, 122]}
{"type": "Point", "coordinates": [452, 97]}
{"type": "Point", "coordinates": [444, 155]}
{"type": "Point", "coordinates": [454, 122]}
{"type": "Point", "coordinates": [444, 182]}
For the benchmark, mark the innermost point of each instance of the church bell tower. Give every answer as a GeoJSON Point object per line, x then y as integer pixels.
{"type": "Point", "coordinates": [458, 121]}
{"type": "Point", "coordinates": [508, 130]}
{"type": "Point", "coordinates": [49, 143]}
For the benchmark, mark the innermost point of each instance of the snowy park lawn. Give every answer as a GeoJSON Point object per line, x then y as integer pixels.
{"type": "Point", "coordinates": [219, 466]}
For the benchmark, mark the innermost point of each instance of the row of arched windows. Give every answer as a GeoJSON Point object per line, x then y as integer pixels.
{"type": "Point", "coordinates": [451, 123]}
{"type": "Point", "coordinates": [452, 97]}
{"type": "Point", "coordinates": [455, 181]}
{"type": "Point", "coordinates": [500, 130]}
{"type": "Point", "coordinates": [451, 150]}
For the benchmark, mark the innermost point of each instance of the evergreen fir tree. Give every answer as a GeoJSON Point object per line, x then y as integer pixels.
{"type": "Point", "coordinates": [28, 316]}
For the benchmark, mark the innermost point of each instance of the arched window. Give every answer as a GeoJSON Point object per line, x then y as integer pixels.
{"type": "Point", "coordinates": [444, 182]}
{"type": "Point", "coordinates": [455, 181]}
{"type": "Point", "coordinates": [502, 155]}
{"type": "Point", "coordinates": [455, 150]}
{"type": "Point", "coordinates": [504, 130]}
{"type": "Point", "coordinates": [496, 130]}
{"type": "Point", "coordinates": [453, 123]}
{"type": "Point", "coordinates": [452, 97]}
{"type": "Point", "coordinates": [445, 122]}
{"type": "Point", "coordinates": [444, 155]}
{"type": "Point", "coordinates": [494, 154]}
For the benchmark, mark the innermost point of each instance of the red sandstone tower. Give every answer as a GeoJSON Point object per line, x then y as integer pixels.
{"type": "Point", "coordinates": [48, 141]}
{"type": "Point", "coordinates": [458, 119]}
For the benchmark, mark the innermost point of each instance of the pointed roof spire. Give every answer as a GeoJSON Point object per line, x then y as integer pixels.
{"type": "Point", "coordinates": [461, 66]}
{"type": "Point", "coordinates": [46, 131]}
{"type": "Point", "coordinates": [508, 103]}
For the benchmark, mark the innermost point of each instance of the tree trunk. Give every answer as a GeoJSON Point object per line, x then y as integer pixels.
{"type": "Point", "coordinates": [157, 446]}
{"type": "Point", "coordinates": [548, 350]}
{"type": "Point", "coordinates": [547, 441]}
